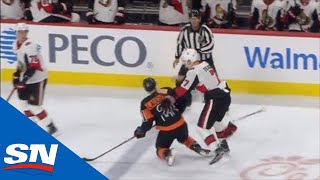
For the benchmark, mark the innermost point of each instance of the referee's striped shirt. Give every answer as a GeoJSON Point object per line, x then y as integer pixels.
{"type": "Point", "coordinates": [201, 40]}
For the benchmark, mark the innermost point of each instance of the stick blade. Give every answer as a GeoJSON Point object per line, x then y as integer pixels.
{"type": "Point", "coordinates": [88, 159]}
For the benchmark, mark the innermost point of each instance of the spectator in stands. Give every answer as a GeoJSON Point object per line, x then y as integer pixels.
{"type": "Point", "coordinates": [106, 12]}
{"type": "Point", "coordinates": [12, 9]}
{"type": "Point", "coordinates": [174, 12]}
{"type": "Point", "coordinates": [303, 16]}
{"type": "Point", "coordinates": [52, 11]}
{"type": "Point", "coordinates": [267, 15]}
{"type": "Point", "coordinates": [222, 13]}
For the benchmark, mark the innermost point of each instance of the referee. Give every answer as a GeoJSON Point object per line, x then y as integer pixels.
{"type": "Point", "coordinates": [196, 36]}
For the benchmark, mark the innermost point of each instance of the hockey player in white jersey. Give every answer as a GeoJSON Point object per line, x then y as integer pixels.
{"type": "Point", "coordinates": [216, 95]}
{"type": "Point", "coordinates": [30, 79]}
{"type": "Point", "coordinates": [52, 11]}
{"type": "Point", "coordinates": [173, 12]}
{"type": "Point", "coordinates": [303, 16]}
{"type": "Point", "coordinates": [106, 11]}
{"type": "Point", "coordinates": [12, 9]}
{"type": "Point", "coordinates": [267, 15]}
{"type": "Point", "coordinates": [222, 13]}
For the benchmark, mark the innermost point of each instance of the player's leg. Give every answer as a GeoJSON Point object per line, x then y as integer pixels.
{"type": "Point", "coordinates": [24, 95]}
{"type": "Point", "coordinates": [205, 123]}
{"type": "Point", "coordinates": [220, 109]}
{"type": "Point", "coordinates": [163, 143]}
{"type": "Point", "coordinates": [35, 105]}
{"type": "Point", "coordinates": [183, 137]}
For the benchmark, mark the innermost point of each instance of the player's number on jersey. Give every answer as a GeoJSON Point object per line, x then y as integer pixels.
{"type": "Point", "coordinates": [35, 63]}
{"type": "Point", "coordinates": [168, 113]}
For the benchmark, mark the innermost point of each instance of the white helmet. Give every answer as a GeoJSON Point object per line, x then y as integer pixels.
{"type": "Point", "coordinates": [191, 55]}
{"type": "Point", "coordinates": [22, 27]}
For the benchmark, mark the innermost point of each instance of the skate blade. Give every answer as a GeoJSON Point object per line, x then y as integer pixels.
{"type": "Point", "coordinates": [217, 158]}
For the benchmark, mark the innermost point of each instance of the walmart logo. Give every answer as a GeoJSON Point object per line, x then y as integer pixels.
{"type": "Point", "coordinates": [7, 39]}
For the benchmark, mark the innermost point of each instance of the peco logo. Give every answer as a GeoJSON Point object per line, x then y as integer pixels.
{"type": "Point", "coordinates": [22, 156]}
{"type": "Point", "coordinates": [80, 44]}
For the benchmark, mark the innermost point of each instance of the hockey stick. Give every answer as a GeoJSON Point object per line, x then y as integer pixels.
{"type": "Point", "coordinates": [92, 159]}
{"type": "Point", "coordinates": [248, 115]}
{"type": "Point", "coordinates": [11, 93]}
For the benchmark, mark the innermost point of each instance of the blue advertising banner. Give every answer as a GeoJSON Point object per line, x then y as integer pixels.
{"type": "Point", "coordinates": [28, 152]}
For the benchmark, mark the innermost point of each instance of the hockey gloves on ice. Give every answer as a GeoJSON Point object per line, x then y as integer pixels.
{"type": "Point", "coordinates": [139, 132]}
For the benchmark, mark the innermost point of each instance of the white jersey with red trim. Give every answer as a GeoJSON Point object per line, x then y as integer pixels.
{"type": "Point", "coordinates": [12, 9]}
{"type": "Point", "coordinates": [268, 12]}
{"type": "Point", "coordinates": [304, 19]}
{"type": "Point", "coordinates": [173, 14]}
{"type": "Point", "coordinates": [105, 10]}
{"type": "Point", "coordinates": [30, 58]}
{"type": "Point", "coordinates": [204, 77]}
{"type": "Point", "coordinates": [219, 9]}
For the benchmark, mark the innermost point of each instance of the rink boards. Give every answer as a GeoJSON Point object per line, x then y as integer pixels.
{"type": "Point", "coordinates": [253, 62]}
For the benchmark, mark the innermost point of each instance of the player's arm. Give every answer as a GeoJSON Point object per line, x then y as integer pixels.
{"type": "Point", "coordinates": [316, 21]}
{"type": "Point", "coordinates": [180, 44]}
{"type": "Point", "coordinates": [254, 17]}
{"type": "Point", "coordinates": [147, 122]}
{"type": "Point", "coordinates": [90, 14]}
{"type": "Point", "coordinates": [190, 81]}
{"type": "Point", "coordinates": [233, 13]}
{"type": "Point", "coordinates": [208, 46]}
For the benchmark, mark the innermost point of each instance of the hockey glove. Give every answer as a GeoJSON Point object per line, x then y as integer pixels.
{"type": "Point", "coordinates": [16, 78]}
{"type": "Point", "coordinates": [90, 17]}
{"type": "Point", "coordinates": [296, 10]}
{"type": "Point", "coordinates": [260, 27]}
{"type": "Point", "coordinates": [20, 86]}
{"type": "Point", "coordinates": [167, 102]}
{"type": "Point", "coordinates": [120, 16]}
{"type": "Point", "coordinates": [28, 14]}
{"type": "Point", "coordinates": [139, 132]}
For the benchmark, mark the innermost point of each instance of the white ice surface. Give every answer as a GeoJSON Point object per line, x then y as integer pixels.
{"type": "Point", "coordinates": [94, 119]}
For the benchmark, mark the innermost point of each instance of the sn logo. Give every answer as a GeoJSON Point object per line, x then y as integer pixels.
{"type": "Point", "coordinates": [19, 159]}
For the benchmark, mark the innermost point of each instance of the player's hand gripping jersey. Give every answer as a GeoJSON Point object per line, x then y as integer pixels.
{"type": "Point", "coordinates": [159, 108]}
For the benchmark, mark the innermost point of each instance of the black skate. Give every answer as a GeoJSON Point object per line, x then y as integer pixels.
{"type": "Point", "coordinates": [52, 128]}
{"type": "Point", "coordinates": [169, 156]}
{"type": "Point", "coordinates": [198, 149]}
{"type": "Point", "coordinates": [220, 151]}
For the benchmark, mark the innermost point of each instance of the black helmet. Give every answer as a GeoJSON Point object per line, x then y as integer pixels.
{"type": "Point", "coordinates": [149, 84]}
{"type": "Point", "coordinates": [194, 13]}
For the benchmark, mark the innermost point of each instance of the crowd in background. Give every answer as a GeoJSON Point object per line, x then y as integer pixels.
{"type": "Point", "coordinates": [271, 15]}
